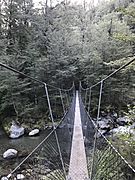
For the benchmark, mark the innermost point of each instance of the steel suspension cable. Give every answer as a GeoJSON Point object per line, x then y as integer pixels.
{"type": "Point", "coordinates": [100, 97]}
{"type": "Point", "coordinates": [98, 114]}
{"type": "Point", "coordinates": [110, 75]}
{"type": "Point", "coordinates": [54, 128]}
{"type": "Point", "coordinates": [109, 143]}
{"type": "Point", "coordinates": [32, 78]}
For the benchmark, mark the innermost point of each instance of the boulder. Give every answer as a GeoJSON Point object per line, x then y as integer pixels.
{"type": "Point", "coordinates": [34, 132]}
{"type": "Point", "coordinates": [16, 131]}
{"type": "Point", "coordinates": [120, 130]}
{"type": "Point", "coordinates": [123, 121]}
{"type": "Point", "coordinates": [20, 176]}
{"type": "Point", "coordinates": [103, 114]}
{"type": "Point", "coordinates": [10, 153]}
{"type": "Point", "coordinates": [103, 124]}
{"type": "Point", "coordinates": [4, 178]}
{"type": "Point", "coordinates": [114, 115]}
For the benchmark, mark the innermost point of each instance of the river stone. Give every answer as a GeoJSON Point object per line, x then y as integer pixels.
{"type": "Point", "coordinates": [103, 124]}
{"type": "Point", "coordinates": [10, 153]}
{"type": "Point", "coordinates": [115, 114]}
{"type": "Point", "coordinates": [20, 176]}
{"type": "Point", "coordinates": [16, 131]}
{"type": "Point", "coordinates": [34, 132]}
{"type": "Point", "coordinates": [4, 178]}
{"type": "Point", "coordinates": [103, 114]}
{"type": "Point", "coordinates": [123, 121]}
{"type": "Point", "coordinates": [121, 130]}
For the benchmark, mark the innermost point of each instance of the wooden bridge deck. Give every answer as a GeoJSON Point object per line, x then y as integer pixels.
{"type": "Point", "coordinates": [78, 165]}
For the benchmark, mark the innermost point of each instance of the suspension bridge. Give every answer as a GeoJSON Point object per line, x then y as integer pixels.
{"type": "Point", "coordinates": [72, 150]}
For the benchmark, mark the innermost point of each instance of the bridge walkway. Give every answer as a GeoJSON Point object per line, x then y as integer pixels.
{"type": "Point", "coordinates": [78, 164]}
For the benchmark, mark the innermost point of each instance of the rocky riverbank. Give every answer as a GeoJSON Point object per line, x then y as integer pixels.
{"type": "Point", "coordinates": [120, 131]}
{"type": "Point", "coordinates": [111, 124]}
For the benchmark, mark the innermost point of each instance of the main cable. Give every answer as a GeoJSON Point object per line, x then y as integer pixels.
{"type": "Point", "coordinates": [32, 78]}
{"type": "Point", "coordinates": [114, 72]}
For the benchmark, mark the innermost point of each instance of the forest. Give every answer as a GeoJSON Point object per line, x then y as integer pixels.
{"type": "Point", "coordinates": [65, 43]}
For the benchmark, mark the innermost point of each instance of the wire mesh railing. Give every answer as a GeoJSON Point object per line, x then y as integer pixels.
{"type": "Point", "coordinates": [109, 164]}
{"type": "Point", "coordinates": [104, 160]}
{"type": "Point", "coordinates": [44, 161]}
{"type": "Point", "coordinates": [88, 134]}
{"type": "Point", "coordinates": [35, 104]}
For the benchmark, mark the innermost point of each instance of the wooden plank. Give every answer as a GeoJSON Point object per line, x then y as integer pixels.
{"type": "Point", "coordinates": [78, 164]}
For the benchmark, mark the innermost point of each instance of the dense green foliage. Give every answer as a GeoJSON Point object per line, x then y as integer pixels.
{"type": "Point", "coordinates": [62, 44]}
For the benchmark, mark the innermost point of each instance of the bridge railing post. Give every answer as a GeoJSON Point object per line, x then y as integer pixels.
{"type": "Point", "coordinates": [57, 141]}
{"type": "Point", "coordinates": [80, 87]}
{"type": "Point", "coordinates": [89, 103]}
{"type": "Point", "coordinates": [95, 138]}
{"type": "Point", "coordinates": [100, 98]}
{"type": "Point", "coordinates": [63, 107]}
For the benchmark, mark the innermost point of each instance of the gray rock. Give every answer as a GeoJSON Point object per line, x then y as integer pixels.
{"type": "Point", "coordinates": [20, 176]}
{"type": "Point", "coordinates": [123, 121]}
{"type": "Point", "coordinates": [115, 115]}
{"type": "Point", "coordinates": [10, 153]}
{"type": "Point", "coordinates": [104, 124]}
{"type": "Point", "coordinates": [34, 132]}
{"type": "Point", "coordinates": [103, 114]}
{"type": "Point", "coordinates": [4, 178]}
{"type": "Point", "coordinates": [120, 130]}
{"type": "Point", "coordinates": [16, 131]}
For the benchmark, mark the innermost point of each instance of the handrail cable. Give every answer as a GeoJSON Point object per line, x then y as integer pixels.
{"type": "Point", "coordinates": [49, 105]}
{"type": "Point", "coordinates": [114, 72]}
{"type": "Point", "coordinates": [99, 105]}
{"type": "Point", "coordinates": [109, 141]}
{"type": "Point", "coordinates": [32, 78]}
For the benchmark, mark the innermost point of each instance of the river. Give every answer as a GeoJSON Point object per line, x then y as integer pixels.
{"type": "Point", "coordinates": [24, 145]}
{"type": "Point", "coordinates": [24, 142]}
